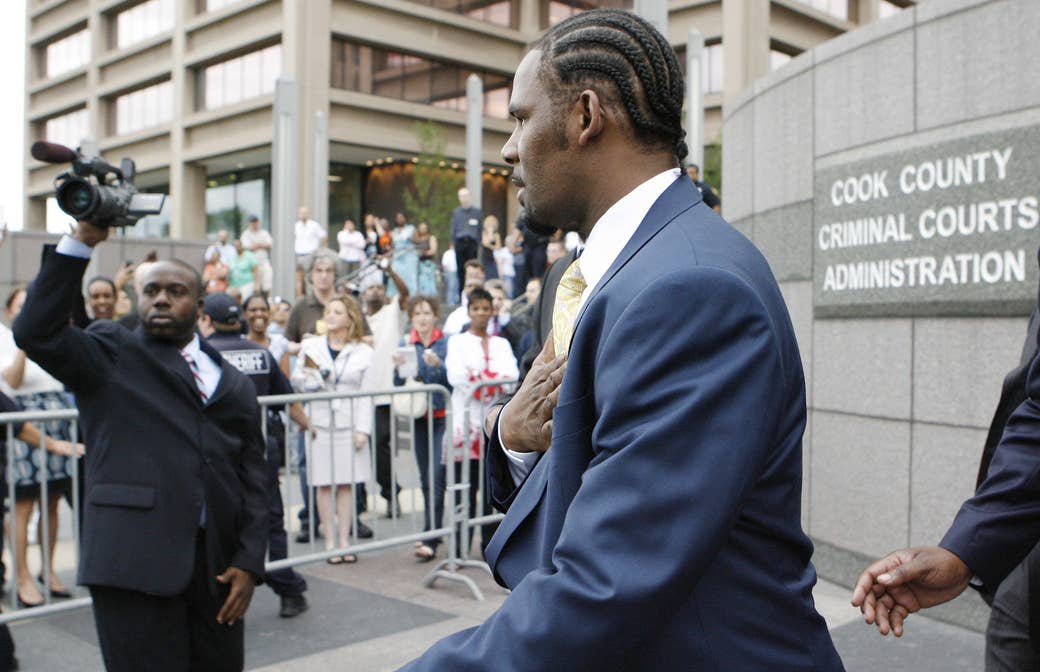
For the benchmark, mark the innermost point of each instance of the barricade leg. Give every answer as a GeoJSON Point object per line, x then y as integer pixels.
{"type": "Point", "coordinates": [448, 569]}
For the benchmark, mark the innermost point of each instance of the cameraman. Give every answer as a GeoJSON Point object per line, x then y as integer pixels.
{"type": "Point", "coordinates": [175, 525]}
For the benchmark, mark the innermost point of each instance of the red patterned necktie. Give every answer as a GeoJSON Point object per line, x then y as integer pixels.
{"type": "Point", "coordinates": [196, 375]}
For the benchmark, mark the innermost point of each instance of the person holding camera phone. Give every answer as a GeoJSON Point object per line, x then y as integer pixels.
{"type": "Point", "coordinates": [338, 361]}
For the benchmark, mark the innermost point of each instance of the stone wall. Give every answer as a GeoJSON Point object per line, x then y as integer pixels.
{"type": "Point", "coordinates": [901, 381]}
{"type": "Point", "coordinates": [20, 255]}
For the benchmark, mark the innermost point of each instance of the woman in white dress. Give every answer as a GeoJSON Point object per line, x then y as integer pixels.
{"type": "Point", "coordinates": [338, 361]}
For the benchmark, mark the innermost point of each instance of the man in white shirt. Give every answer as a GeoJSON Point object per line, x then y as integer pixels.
{"type": "Point", "coordinates": [258, 240]}
{"type": "Point", "coordinates": [386, 317]}
{"type": "Point", "coordinates": [310, 236]}
{"type": "Point", "coordinates": [223, 248]}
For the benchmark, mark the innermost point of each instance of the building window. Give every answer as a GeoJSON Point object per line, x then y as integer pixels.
{"type": "Point", "coordinates": [68, 53]}
{"type": "Point", "coordinates": [214, 5]}
{"type": "Point", "coordinates": [143, 108]}
{"type": "Point", "coordinates": [558, 10]}
{"type": "Point", "coordinates": [143, 21]}
{"type": "Point", "coordinates": [417, 79]}
{"type": "Point", "coordinates": [839, 9]}
{"type": "Point", "coordinates": [68, 129]}
{"type": "Point", "coordinates": [242, 78]}
{"type": "Point", "coordinates": [232, 198]}
{"type": "Point", "coordinates": [496, 12]}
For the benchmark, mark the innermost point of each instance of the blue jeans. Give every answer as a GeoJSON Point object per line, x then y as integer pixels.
{"type": "Point", "coordinates": [433, 515]}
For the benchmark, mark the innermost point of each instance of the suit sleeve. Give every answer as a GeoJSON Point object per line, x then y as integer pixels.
{"type": "Point", "coordinates": [1000, 524]}
{"type": "Point", "coordinates": [252, 475]}
{"type": "Point", "coordinates": [688, 405]}
{"type": "Point", "coordinates": [43, 331]}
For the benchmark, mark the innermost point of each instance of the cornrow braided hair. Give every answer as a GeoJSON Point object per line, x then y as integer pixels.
{"type": "Point", "coordinates": [625, 50]}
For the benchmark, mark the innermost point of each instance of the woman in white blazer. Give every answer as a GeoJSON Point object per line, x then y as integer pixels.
{"type": "Point", "coordinates": [338, 361]}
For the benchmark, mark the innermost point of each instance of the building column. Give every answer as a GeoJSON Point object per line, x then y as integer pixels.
{"type": "Point", "coordinates": [34, 214]}
{"type": "Point", "coordinates": [188, 207]}
{"type": "Point", "coordinates": [187, 181]}
{"type": "Point", "coordinates": [306, 58]}
{"type": "Point", "coordinates": [864, 11]}
{"type": "Point", "coordinates": [530, 23]}
{"type": "Point", "coordinates": [745, 44]}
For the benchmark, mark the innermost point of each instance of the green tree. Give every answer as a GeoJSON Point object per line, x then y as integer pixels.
{"type": "Point", "coordinates": [434, 191]}
{"type": "Point", "coordinates": [711, 171]}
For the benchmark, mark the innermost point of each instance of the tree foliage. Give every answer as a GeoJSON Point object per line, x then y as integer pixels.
{"type": "Point", "coordinates": [434, 191]}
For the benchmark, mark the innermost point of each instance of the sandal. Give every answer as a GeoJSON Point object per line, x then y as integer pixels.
{"type": "Point", "coordinates": [336, 560]}
{"type": "Point", "coordinates": [348, 559]}
{"type": "Point", "coordinates": [425, 553]}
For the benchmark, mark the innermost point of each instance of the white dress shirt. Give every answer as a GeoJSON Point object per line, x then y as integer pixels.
{"type": "Point", "coordinates": [209, 370]}
{"type": "Point", "coordinates": [609, 236]}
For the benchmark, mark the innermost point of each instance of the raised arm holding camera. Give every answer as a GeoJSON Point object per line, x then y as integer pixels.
{"type": "Point", "coordinates": [175, 519]}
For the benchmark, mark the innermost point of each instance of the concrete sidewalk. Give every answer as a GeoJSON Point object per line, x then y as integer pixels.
{"type": "Point", "coordinates": [376, 615]}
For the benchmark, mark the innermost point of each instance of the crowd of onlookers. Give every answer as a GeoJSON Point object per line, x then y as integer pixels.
{"type": "Point", "coordinates": [389, 308]}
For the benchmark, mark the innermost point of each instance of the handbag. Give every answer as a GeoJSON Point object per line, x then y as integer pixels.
{"type": "Point", "coordinates": [411, 405]}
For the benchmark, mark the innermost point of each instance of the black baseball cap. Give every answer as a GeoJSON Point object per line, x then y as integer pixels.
{"type": "Point", "coordinates": [221, 308]}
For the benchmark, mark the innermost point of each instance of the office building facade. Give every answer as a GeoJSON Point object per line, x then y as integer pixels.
{"type": "Point", "coordinates": [187, 88]}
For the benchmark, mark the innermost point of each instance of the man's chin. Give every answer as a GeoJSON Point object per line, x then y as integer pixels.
{"type": "Point", "coordinates": [536, 225]}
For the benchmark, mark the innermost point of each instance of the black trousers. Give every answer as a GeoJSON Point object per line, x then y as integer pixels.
{"type": "Point", "coordinates": [465, 249]}
{"type": "Point", "coordinates": [384, 456]}
{"type": "Point", "coordinates": [167, 634]}
{"type": "Point", "coordinates": [283, 581]}
{"type": "Point", "coordinates": [1008, 648]}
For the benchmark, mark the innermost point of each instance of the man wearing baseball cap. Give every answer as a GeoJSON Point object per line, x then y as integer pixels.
{"type": "Point", "coordinates": [221, 325]}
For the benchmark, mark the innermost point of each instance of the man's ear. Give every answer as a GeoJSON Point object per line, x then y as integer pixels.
{"type": "Point", "coordinates": [592, 116]}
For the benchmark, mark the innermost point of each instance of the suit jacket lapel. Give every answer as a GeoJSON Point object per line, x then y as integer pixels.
{"type": "Point", "coordinates": [171, 359]}
{"type": "Point", "coordinates": [680, 196]}
{"type": "Point", "coordinates": [224, 384]}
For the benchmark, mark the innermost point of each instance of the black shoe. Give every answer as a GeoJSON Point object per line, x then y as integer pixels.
{"type": "Point", "coordinates": [293, 605]}
{"type": "Point", "coordinates": [55, 593]}
{"type": "Point", "coordinates": [304, 537]}
{"type": "Point", "coordinates": [364, 531]}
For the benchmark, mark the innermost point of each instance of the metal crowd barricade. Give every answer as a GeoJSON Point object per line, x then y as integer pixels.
{"type": "Point", "coordinates": [40, 420]}
{"type": "Point", "coordinates": [457, 529]}
{"type": "Point", "coordinates": [462, 520]}
{"type": "Point", "coordinates": [448, 569]}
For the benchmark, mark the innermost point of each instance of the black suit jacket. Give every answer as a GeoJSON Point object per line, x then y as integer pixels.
{"type": "Point", "coordinates": [156, 452]}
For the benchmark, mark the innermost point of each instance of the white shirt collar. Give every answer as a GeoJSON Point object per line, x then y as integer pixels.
{"type": "Point", "coordinates": [193, 348]}
{"type": "Point", "coordinates": [616, 227]}
{"type": "Point", "coordinates": [209, 370]}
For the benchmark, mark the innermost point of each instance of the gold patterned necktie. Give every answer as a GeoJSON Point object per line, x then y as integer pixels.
{"type": "Point", "coordinates": [565, 308]}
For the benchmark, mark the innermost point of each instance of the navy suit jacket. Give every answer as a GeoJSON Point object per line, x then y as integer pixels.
{"type": "Point", "coordinates": [1000, 524]}
{"type": "Point", "coordinates": [156, 452]}
{"type": "Point", "coordinates": [661, 530]}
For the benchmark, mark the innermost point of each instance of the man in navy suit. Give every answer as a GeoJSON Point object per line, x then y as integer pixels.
{"type": "Point", "coordinates": [661, 529]}
{"type": "Point", "coordinates": [175, 521]}
{"type": "Point", "coordinates": [991, 534]}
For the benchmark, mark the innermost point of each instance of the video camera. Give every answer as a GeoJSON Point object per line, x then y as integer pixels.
{"type": "Point", "coordinates": [95, 190]}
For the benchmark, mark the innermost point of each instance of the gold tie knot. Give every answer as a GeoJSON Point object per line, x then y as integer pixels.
{"type": "Point", "coordinates": [565, 308]}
